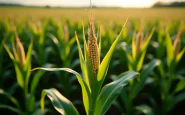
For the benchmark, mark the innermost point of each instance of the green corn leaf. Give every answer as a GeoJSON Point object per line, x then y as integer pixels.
{"type": "Point", "coordinates": [28, 64]}
{"type": "Point", "coordinates": [10, 108]}
{"type": "Point", "coordinates": [12, 99]}
{"type": "Point", "coordinates": [60, 103]}
{"type": "Point", "coordinates": [103, 68]}
{"type": "Point", "coordinates": [180, 86]}
{"type": "Point", "coordinates": [169, 48]}
{"type": "Point", "coordinates": [110, 92]}
{"type": "Point", "coordinates": [143, 76]}
{"type": "Point", "coordinates": [14, 49]}
{"type": "Point", "coordinates": [148, 39]}
{"type": "Point", "coordinates": [145, 109]}
{"type": "Point", "coordinates": [38, 111]}
{"type": "Point", "coordinates": [9, 52]}
{"type": "Point", "coordinates": [28, 56]}
{"type": "Point", "coordinates": [140, 60]}
{"type": "Point", "coordinates": [64, 49]}
{"type": "Point", "coordinates": [37, 77]}
{"type": "Point", "coordinates": [35, 81]}
{"type": "Point", "coordinates": [130, 61]}
{"type": "Point", "coordinates": [124, 97]}
{"type": "Point", "coordinates": [179, 56]}
{"type": "Point", "coordinates": [82, 62]}
{"type": "Point", "coordinates": [85, 88]}
{"type": "Point", "coordinates": [174, 100]}
{"type": "Point", "coordinates": [143, 51]}
{"type": "Point", "coordinates": [134, 47]}
{"type": "Point", "coordinates": [19, 75]}
{"type": "Point", "coordinates": [99, 45]}
{"type": "Point", "coordinates": [84, 40]}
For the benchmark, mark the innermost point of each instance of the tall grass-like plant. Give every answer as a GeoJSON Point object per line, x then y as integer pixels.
{"type": "Point", "coordinates": [64, 46]}
{"type": "Point", "coordinates": [140, 43]}
{"type": "Point", "coordinates": [22, 65]}
{"type": "Point", "coordinates": [38, 31]}
{"type": "Point", "coordinates": [171, 96]}
{"type": "Point", "coordinates": [96, 99]}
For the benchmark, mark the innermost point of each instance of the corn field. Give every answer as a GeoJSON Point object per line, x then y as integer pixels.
{"type": "Point", "coordinates": [133, 67]}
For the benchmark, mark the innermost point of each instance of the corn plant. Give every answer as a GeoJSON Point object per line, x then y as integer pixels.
{"type": "Point", "coordinates": [38, 31]}
{"type": "Point", "coordinates": [64, 46]}
{"type": "Point", "coordinates": [135, 62]}
{"type": "Point", "coordinates": [22, 64]}
{"type": "Point", "coordinates": [96, 99]}
{"type": "Point", "coordinates": [171, 96]}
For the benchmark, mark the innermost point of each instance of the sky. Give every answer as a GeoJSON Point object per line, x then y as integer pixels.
{"type": "Point", "coordinates": [71, 3]}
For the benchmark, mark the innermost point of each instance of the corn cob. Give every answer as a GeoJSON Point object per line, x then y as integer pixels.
{"type": "Point", "coordinates": [93, 48]}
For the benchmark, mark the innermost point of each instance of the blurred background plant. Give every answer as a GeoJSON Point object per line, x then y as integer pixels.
{"type": "Point", "coordinates": [159, 58]}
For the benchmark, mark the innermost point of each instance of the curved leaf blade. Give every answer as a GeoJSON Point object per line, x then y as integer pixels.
{"type": "Point", "coordinates": [10, 108]}
{"type": "Point", "coordinates": [110, 92]}
{"type": "Point", "coordinates": [103, 68]}
{"type": "Point", "coordinates": [60, 103]}
{"type": "Point", "coordinates": [143, 76]}
{"type": "Point", "coordinates": [145, 109]}
{"type": "Point", "coordinates": [12, 99]}
{"type": "Point", "coordinates": [169, 49]}
{"type": "Point", "coordinates": [85, 88]}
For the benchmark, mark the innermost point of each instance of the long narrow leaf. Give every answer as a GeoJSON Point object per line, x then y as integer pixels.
{"type": "Point", "coordinates": [19, 75]}
{"type": "Point", "coordinates": [10, 108]}
{"type": "Point", "coordinates": [169, 48]}
{"type": "Point", "coordinates": [111, 91]}
{"type": "Point", "coordinates": [99, 45]}
{"type": "Point", "coordinates": [103, 68]}
{"type": "Point", "coordinates": [143, 76]}
{"type": "Point", "coordinates": [12, 99]}
{"type": "Point", "coordinates": [145, 109]}
{"type": "Point", "coordinates": [179, 56]}
{"type": "Point", "coordinates": [60, 103]}
{"type": "Point", "coordinates": [85, 88]}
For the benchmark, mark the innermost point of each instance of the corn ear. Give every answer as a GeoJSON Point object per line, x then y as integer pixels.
{"type": "Point", "coordinates": [93, 49]}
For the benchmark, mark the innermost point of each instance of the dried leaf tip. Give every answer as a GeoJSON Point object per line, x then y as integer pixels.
{"type": "Point", "coordinates": [20, 52]}
{"type": "Point", "coordinates": [177, 41]}
{"type": "Point", "coordinates": [139, 40]}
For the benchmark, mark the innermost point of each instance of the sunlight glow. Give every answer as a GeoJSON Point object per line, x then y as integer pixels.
{"type": "Point", "coordinates": [100, 3]}
{"type": "Point", "coordinates": [137, 3]}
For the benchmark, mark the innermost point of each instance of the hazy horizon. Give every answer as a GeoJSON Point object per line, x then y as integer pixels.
{"type": "Point", "coordinates": [83, 3]}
